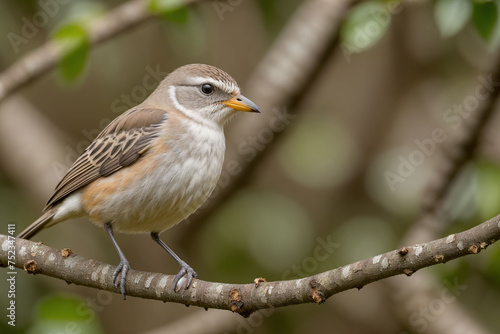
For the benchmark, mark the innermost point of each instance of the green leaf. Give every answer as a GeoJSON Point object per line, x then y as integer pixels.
{"type": "Point", "coordinates": [75, 46]}
{"type": "Point", "coordinates": [365, 25]}
{"type": "Point", "coordinates": [60, 307]}
{"type": "Point", "coordinates": [179, 16]}
{"type": "Point", "coordinates": [484, 17]}
{"type": "Point", "coordinates": [161, 7]}
{"type": "Point", "coordinates": [488, 196]}
{"type": "Point", "coordinates": [171, 10]}
{"type": "Point", "coordinates": [65, 313]}
{"type": "Point", "coordinates": [492, 270]}
{"type": "Point", "coordinates": [451, 16]}
{"type": "Point", "coordinates": [190, 38]}
{"type": "Point", "coordinates": [272, 15]}
{"type": "Point", "coordinates": [268, 7]}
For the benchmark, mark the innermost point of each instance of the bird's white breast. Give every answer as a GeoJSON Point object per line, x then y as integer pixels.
{"type": "Point", "coordinates": [183, 177]}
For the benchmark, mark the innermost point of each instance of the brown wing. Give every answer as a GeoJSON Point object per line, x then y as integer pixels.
{"type": "Point", "coordinates": [119, 145]}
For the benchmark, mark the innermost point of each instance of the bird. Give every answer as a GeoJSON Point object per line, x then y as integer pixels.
{"type": "Point", "coordinates": [153, 165]}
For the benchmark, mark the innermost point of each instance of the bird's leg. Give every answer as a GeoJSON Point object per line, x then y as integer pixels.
{"type": "Point", "coordinates": [123, 267]}
{"type": "Point", "coordinates": [186, 270]}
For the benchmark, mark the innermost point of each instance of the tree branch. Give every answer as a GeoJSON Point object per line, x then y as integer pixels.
{"type": "Point", "coordinates": [279, 86]}
{"type": "Point", "coordinates": [458, 153]}
{"type": "Point", "coordinates": [247, 298]}
{"type": "Point", "coordinates": [428, 225]}
{"type": "Point", "coordinates": [46, 57]}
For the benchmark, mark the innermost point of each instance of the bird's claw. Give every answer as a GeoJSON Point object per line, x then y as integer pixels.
{"type": "Point", "coordinates": [122, 268]}
{"type": "Point", "coordinates": [186, 271]}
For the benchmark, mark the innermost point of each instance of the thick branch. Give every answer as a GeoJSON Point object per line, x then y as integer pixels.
{"type": "Point", "coordinates": [247, 298]}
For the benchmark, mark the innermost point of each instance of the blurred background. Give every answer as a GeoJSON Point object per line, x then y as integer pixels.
{"type": "Point", "coordinates": [344, 181]}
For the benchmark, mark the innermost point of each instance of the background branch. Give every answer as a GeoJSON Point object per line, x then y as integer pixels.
{"type": "Point", "coordinates": [279, 86]}
{"type": "Point", "coordinates": [432, 220]}
{"type": "Point", "coordinates": [46, 57]}
{"type": "Point", "coordinates": [453, 159]}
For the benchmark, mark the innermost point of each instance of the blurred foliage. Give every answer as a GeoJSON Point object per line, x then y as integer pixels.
{"type": "Point", "coordinates": [331, 161]}
{"type": "Point", "coordinates": [452, 15]}
{"type": "Point", "coordinates": [403, 198]}
{"type": "Point", "coordinates": [173, 10]}
{"type": "Point", "coordinates": [186, 29]}
{"type": "Point", "coordinates": [165, 6]}
{"type": "Point", "coordinates": [64, 313]}
{"type": "Point", "coordinates": [75, 44]}
{"type": "Point", "coordinates": [269, 9]}
{"type": "Point", "coordinates": [484, 17]}
{"type": "Point", "coordinates": [487, 199]}
{"type": "Point", "coordinates": [492, 270]}
{"type": "Point", "coordinates": [365, 25]}
{"type": "Point", "coordinates": [179, 16]}
{"type": "Point", "coordinates": [263, 230]}
{"type": "Point", "coordinates": [72, 37]}
{"type": "Point", "coordinates": [368, 22]}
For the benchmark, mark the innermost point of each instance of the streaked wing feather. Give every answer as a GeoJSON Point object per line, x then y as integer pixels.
{"type": "Point", "coordinates": [119, 145]}
{"type": "Point", "coordinates": [134, 145]}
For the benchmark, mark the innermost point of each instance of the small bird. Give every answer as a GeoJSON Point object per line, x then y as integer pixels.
{"type": "Point", "coordinates": [153, 165]}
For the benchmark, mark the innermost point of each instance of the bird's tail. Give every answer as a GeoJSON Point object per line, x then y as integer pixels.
{"type": "Point", "coordinates": [44, 221]}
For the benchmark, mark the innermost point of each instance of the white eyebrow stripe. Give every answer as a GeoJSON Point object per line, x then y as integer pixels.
{"type": "Point", "coordinates": [224, 85]}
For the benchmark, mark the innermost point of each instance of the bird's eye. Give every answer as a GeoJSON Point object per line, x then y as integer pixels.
{"type": "Point", "coordinates": [207, 89]}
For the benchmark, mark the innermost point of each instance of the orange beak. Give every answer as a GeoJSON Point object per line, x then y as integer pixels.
{"type": "Point", "coordinates": [241, 103]}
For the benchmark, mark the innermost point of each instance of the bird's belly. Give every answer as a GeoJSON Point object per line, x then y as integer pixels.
{"type": "Point", "coordinates": [156, 195]}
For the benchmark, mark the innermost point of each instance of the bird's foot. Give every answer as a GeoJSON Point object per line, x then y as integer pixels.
{"type": "Point", "coordinates": [185, 272]}
{"type": "Point", "coordinates": [122, 268]}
